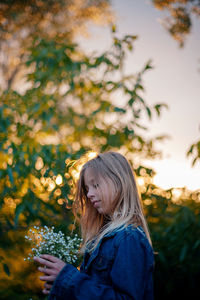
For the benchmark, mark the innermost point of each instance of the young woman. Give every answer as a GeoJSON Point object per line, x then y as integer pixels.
{"type": "Point", "coordinates": [118, 256]}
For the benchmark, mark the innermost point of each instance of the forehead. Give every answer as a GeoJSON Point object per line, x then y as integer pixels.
{"type": "Point", "coordinates": [89, 175]}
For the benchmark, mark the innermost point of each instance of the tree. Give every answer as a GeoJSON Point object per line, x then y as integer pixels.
{"type": "Point", "coordinates": [179, 23]}
{"type": "Point", "coordinates": [67, 110]}
{"type": "Point", "coordinates": [174, 220]}
{"type": "Point", "coordinates": [22, 21]}
{"type": "Point", "coordinates": [70, 107]}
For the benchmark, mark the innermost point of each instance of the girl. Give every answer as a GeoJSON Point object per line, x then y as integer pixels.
{"type": "Point", "coordinates": [118, 257]}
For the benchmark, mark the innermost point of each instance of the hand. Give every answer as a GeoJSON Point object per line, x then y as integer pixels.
{"type": "Point", "coordinates": [52, 266]}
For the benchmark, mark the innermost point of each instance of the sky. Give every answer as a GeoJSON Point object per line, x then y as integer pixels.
{"type": "Point", "coordinates": [174, 80]}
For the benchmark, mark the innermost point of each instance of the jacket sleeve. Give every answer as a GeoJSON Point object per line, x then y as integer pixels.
{"type": "Point", "coordinates": [129, 275]}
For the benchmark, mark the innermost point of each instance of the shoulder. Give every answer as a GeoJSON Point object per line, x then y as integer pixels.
{"type": "Point", "coordinates": [133, 236]}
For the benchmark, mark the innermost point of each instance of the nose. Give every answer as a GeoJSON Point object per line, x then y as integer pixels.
{"type": "Point", "coordinates": [90, 193]}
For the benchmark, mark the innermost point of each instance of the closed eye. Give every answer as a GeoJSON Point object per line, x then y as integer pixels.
{"type": "Point", "coordinates": [95, 185]}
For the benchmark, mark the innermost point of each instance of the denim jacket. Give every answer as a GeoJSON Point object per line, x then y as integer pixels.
{"type": "Point", "coordinates": [119, 268]}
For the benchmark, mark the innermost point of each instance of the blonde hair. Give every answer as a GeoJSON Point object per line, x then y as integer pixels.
{"type": "Point", "coordinates": [127, 207]}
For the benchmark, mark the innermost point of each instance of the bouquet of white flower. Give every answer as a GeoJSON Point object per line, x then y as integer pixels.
{"type": "Point", "coordinates": [46, 241]}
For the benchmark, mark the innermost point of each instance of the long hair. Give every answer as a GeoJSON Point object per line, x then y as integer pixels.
{"type": "Point", "coordinates": [126, 207]}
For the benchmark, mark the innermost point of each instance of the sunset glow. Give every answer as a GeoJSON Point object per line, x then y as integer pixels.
{"type": "Point", "coordinates": [59, 179]}
{"type": "Point", "coordinates": [175, 174]}
{"type": "Point", "coordinates": [174, 80]}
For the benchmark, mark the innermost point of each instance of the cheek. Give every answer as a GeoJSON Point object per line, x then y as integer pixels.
{"type": "Point", "coordinates": [111, 200]}
{"type": "Point", "coordinates": [107, 195]}
{"type": "Point", "coordinates": [106, 204]}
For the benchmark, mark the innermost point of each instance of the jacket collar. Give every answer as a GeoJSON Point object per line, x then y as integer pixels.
{"type": "Point", "coordinates": [95, 252]}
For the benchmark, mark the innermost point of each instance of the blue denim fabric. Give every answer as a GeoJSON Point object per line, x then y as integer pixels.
{"type": "Point", "coordinates": [120, 268]}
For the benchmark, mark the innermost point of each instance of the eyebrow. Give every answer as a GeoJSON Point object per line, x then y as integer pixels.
{"type": "Point", "coordinates": [92, 181]}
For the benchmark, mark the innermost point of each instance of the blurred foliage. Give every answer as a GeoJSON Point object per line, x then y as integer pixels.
{"type": "Point", "coordinates": [69, 108]}
{"type": "Point", "coordinates": [174, 221]}
{"type": "Point", "coordinates": [194, 152]}
{"type": "Point", "coordinates": [22, 21]}
{"type": "Point", "coordinates": [73, 104]}
{"type": "Point", "coordinates": [179, 23]}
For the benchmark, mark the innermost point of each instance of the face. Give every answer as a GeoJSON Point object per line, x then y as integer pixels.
{"type": "Point", "coordinates": [100, 193]}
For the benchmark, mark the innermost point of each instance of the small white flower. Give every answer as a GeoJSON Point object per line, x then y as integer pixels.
{"type": "Point", "coordinates": [46, 240]}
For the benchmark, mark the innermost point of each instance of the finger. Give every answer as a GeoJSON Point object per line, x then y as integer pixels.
{"type": "Point", "coordinates": [48, 278]}
{"type": "Point", "coordinates": [50, 257]}
{"type": "Point", "coordinates": [46, 271]}
{"type": "Point", "coordinates": [47, 286]}
{"type": "Point", "coordinates": [43, 261]}
{"type": "Point", "coordinates": [46, 292]}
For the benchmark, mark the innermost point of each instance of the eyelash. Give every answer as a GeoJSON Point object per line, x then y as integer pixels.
{"type": "Point", "coordinates": [94, 185]}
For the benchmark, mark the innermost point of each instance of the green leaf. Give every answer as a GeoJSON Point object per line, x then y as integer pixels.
{"type": "Point", "coordinates": [10, 174]}
{"type": "Point", "coordinates": [148, 66]}
{"type": "Point", "coordinates": [118, 109]}
{"type": "Point", "coordinates": [196, 244]}
{"type": "Point", "coordinates": [19, 209]}
{"type": "Point", "coordinates": [131, 101]}
{"type": "Point", "coordinates": [183, 253]}
{"type": "Point", "coordinates": [6, 269]}
{"type": "Point", "coordinates": [148, 112]}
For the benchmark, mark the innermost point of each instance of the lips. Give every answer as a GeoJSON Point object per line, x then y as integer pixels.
{"type": "Point", "coordinates": [95, 203]}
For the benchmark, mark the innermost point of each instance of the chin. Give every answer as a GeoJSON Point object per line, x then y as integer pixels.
{"type": "Point", "coordinates": [100, 211]}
